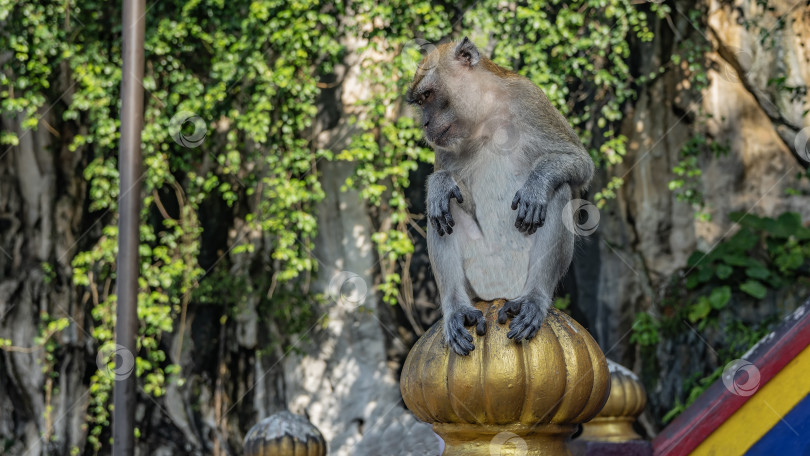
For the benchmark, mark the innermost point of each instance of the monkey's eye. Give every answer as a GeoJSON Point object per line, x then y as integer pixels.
{"type": "Point", "coordinates": [424, 96]}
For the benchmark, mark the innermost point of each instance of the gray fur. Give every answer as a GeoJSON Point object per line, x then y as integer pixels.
{"type": "Point", "coordinates": [506, 165]}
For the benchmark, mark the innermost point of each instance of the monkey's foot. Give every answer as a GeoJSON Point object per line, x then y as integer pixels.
{"type": "Point", "coordinates": [527, 316]}
{"type": "Point", "coordinates": [455, 331]}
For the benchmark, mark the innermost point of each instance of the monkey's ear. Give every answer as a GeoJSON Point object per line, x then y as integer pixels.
{"type": "Point", "coordinates": [467, 52]}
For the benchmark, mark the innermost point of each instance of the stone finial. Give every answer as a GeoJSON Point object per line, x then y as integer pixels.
{"type": "Point", "coordinates": [284, 434]}
{"type": "Point", "coordinates": [505, 397]}
{"type": "Point", "coordinates": [625, 403]}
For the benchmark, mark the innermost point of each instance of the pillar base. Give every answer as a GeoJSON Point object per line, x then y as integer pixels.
{"type": "Point", "coordinates": [505, 440]}
{"type": "Point", "coordinates": [610, 429]}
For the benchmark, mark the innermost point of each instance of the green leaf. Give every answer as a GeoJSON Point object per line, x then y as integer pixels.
{"type": "Point", "coordinates": [8, 138]}
{"type": "Point", "coordinates": [740, 260]}
{"type": "Point", "coordinates": [705, 273]}
{"type": "Point", "coordinates": [788, 224]}
{"type": "Point", "coordinates": [742, 241]}
{"type": "Point", "coordinates": [754, 288]}
{"type": "Point", "coordinates": [724, 271]}
{"type": "Point", "coordinates": [692, 281]}
{"type": "Point", "coordinates": [758, 272]}
{"type": "Point", "coordinates": [790, 260]}
{"type": "Point", "coordinates": [720, 297]}
{"type": "Point", "coordinates": [699, 310]}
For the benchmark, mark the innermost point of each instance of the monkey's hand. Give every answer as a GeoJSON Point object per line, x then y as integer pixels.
{"type": "Point", "coordinates": [532, 200]}
{"type": "Point", "coordinates": [441, 188]}
{"type": "Point", "coordinates": [527, 316]}
{"type": "Point", "coordinates": [455, 332]}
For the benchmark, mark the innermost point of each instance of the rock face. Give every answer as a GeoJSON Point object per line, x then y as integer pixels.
{"type": "Point", "coordinates": [758, 104]}
{"type": "Point", "coordinates": [39, 224]}
{"type": "Point", "coordinates": [646, 234]}
{"type": "Point", "coordinates": [342, 379]}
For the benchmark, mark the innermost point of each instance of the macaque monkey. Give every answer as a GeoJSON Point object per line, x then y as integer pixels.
{"type": "Point", "coordinates": [506, 165]}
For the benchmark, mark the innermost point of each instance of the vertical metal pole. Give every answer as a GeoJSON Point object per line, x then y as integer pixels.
{"type": "Point", "coordinates": [129, 208]}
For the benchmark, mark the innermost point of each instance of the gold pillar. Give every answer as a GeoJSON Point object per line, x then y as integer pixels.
{"type": "Point", "coordinates": [284, 434]}
{"type": "Point", "coordinates": [625, 403]}
{"type": "Point", "coordinates": [507, 398]}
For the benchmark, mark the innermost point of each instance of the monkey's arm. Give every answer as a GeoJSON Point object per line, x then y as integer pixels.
{"type": "Point", "coordinates": [441, 187]}
{"type": "Point", "coordinates": [551, 169]}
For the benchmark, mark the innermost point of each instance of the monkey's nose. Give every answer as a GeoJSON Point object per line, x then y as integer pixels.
{"type": "Point", "coordinates": [424, 125]}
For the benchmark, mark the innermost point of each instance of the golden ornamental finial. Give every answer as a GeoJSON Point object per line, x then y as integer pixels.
{"type": "Point", "coordinates": [284, 434]}
{"type": "Point", "coordinates": [505, 397]}
{"type": "Point", "coordinates": [626, 402]}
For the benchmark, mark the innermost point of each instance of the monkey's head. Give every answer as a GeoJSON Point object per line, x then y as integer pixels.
{"type": "Point", "coordinates": [455, 88]}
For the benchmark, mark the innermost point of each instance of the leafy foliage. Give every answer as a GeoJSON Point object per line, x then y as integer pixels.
{"type": "Point", "coordinates": [251, 73]}
{"type": "Point", "coordinates": [686, 184]}
{"type": "Point", "coordinates": [766, 254]}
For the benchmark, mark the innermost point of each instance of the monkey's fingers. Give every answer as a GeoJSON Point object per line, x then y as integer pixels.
{"type": "Point", "coordinates": [531, 330]}
{"type": "Point", "coordinates": [459, 338]}
{"type": "Point", "coordinates": [471, 316]}
{"type": "Point", "coordinates": [515, 201]}
{"type": "Point", "coordinates": [519, 220]}
{"type": "Point", "coordinates": [529, 221]}
{"type": "Point", "coordinates": [456, 193]}
{"type": "Point", "coordinates": [476, 318]}
{"type": "Point", "coordinates": [526, 325]}
{"type": "Point", "coordinates": [516, 326]}
{"type": "Point", "coordinates": [538, 218]}
{"type": "Point", "coordinates": [521, 217]}
{"type": "Point", "coordinates": [526, 223]}
{"type": "Point", "coordinates": [481, 327]}
{"type": "Point", "coordinates": [541, 219]}
{"type": "Point", "coordinates": [461, 347]}
{"type": "Point", "coordinates": [448, 217]}
{"type": "Point", "coordinates": [525, 330]}
{"type": "Point", "coordinates": [437, 225]}
{"type": "Point", "coordinates": [509, 310]}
